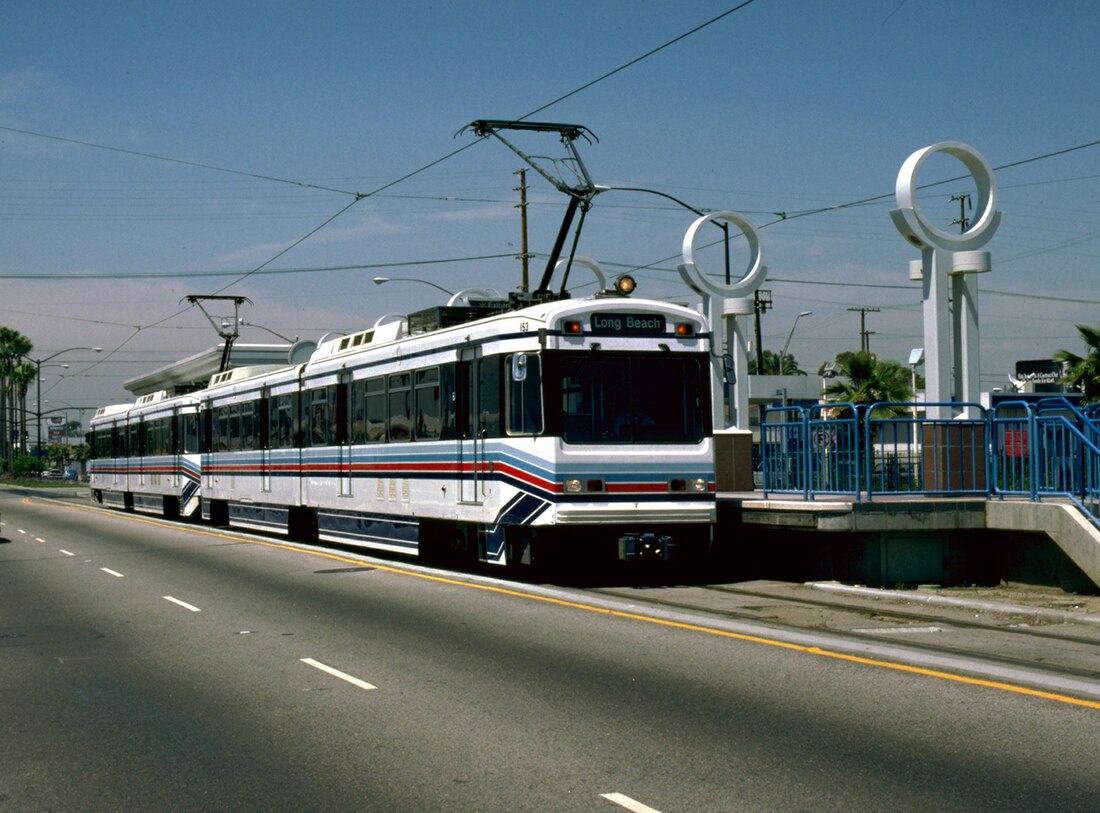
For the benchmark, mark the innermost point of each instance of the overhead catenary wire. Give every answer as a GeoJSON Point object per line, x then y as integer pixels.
{"type": "Point", "coordinates": [357, 196]}
{"type": "Point", "coordinates": [264, 268]}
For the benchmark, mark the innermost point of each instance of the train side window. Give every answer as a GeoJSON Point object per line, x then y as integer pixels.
{"type": "Point", "coordinates": [104, 442]}
{"type": "Point", "coordinates": [399, 397]}
{"type": "Point", "coordinates": [322, 416]}
{"type": "Point", "coordinates": [190, 433]}
{"type": "Point", "coordinates": [248, 426]}
{"type": "Point", "coordinates": [357, 411]}
{"type": "Point", "coordinates": [221, 429]}
{"type": "Point", "coordinates": [524, 395]}
{"type": "Point", "coordinates": [451, 403]}
{"type": "Point", "coordinates": [374, 394]}
{"type": "Point", "coordinates": [284, 422]}
{"type": "Point", "coordinates": [233, 430]}
{"type": "Point", "coordinates": [488, 406]}
{"type": "Point", "coordinates": [159, 433]}
{"type": "Point", "coordinates": [427, 404]}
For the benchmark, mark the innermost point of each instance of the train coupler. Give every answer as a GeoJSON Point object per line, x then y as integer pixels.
{"type": "Point", "coordinates": [646, 547]}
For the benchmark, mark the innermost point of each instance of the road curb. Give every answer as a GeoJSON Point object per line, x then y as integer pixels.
{"type": "Point", "coordinates": [917, 597]}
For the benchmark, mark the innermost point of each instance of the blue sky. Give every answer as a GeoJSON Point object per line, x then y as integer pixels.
{"type": "Point", "coordinates": [783, 106]}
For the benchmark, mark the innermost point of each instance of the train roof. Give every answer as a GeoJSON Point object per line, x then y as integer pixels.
{"type": "Point", "coordinates": [477, 319]}
{"type": "Point", "coordinates": [195, 372]}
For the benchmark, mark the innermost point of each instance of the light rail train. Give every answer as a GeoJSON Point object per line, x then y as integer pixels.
{"type": "Point", "coordinates": [566, 428]}
{"type": "Point", "coordinates": [533, 428]}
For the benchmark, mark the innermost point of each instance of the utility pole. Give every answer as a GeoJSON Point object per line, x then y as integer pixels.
{"type": "Point", "coordinates": [522, 206]}
{"type": "Point", "coordinates": [864, 334]}
{"type": "Point", "coordinates": [761, 300]}
{"type": "Point", "coordinates": [963, 221]}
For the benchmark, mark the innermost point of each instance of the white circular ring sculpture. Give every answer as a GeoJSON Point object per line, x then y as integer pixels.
{"type": "Point", "coordinates": [912, 223]}
{"type": "Point", "coordinates": [704, 284]}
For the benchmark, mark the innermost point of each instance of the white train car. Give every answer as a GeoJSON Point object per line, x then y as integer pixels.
{"type": "Point", "coordinates": [145, 456]}
{"type": "Point", "coordinates": [252, 455]}
{"type": "Point", "coordinates": [575, 425]}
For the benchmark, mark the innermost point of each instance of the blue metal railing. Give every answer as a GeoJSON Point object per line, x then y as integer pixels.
{"type": "Point", "coordinates": [1052, 449]}
{"type": "Point", "coordinates": [783, 451]}
{"type": "Point", "coordinates": [1021, 449]}
{"type": "Point", "coordinates": [835, 449]}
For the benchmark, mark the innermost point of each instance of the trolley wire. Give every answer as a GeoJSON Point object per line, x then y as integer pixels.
{"type": "Point", "coordinates": [357, 196]}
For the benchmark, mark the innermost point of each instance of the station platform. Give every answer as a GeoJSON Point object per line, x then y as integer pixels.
{"type": "Point", "coordinates": [910, 539]}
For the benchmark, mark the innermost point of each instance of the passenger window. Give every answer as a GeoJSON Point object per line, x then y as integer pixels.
{"type": "Point", "coordinates": [427, 404]}
{"type": "Point", "coordinates": [525, 396]}
{"type": "Point", "coordinates": [376, 410]}
{"type": "Point", "coordinates": [399, 397]}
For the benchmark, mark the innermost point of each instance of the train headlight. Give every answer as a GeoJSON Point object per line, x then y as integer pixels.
{"type": "Point", "coordinates": [577, 486]}
{"type": "Point", "coordinates": [685, 329]}
{"type": "Point", "coordinates": [625, 285]}
{"type": "Point", "coordinates": [572, 327]}
{"type": "Point", "coordinates": [699, 485]}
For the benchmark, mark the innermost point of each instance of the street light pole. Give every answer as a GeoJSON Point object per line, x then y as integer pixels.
{"type": "Point", "coordinates": [783, 352]}
{"type": "Point", "coordinates": [381, 280]}
{"type": "Point", "coordinates": [916, 358]}
{"type": "Point", "coordinates": [38, 391]}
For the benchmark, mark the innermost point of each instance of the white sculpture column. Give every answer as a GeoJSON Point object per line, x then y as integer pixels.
{"type": "Point", "coordinates": [945, 256]}
{"type": "Point", "coordinates": [723, 303]}
{"type": "Point", "coordinates": [965, 267]}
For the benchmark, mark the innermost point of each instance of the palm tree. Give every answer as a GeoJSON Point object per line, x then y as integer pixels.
{"type": "Point", "coordinates": [13, 345]}
{"type": "Point", "coordinates": [21, 377]}
{"type": "Point", "coordinates": [774, 365]}
{"type": "Point", "coordinates": [864, 380]}
{"type": "Point", "coordinates": [1084, 371]}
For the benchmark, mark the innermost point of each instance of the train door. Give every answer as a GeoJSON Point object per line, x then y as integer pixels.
{"type": "Point", "coordinates": [478, 404]}
{"type": "Point", "coordinates": [175, 451]}
{"type": "Point", "coordinates": [265, 440]}
{"type": "Point", "coordinates": [466, 392]}
{"type": "Point", "coordinates": [343, 440]}
{"type": "Point", "coordinates": [134, 472]}
{"type": "Point", "coordinates": [118, 446]}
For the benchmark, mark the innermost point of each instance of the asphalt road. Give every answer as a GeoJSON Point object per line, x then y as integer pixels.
{"type": "Point", "coordinates": [148, 666]}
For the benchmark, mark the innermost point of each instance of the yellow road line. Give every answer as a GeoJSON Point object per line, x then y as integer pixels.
{"type": "Point", "coordinates": [740, 636]}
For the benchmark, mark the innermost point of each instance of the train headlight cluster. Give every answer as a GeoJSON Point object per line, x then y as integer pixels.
{"type": "Point", "coordinates": [699, 485]}
{"type": "Point", "coordinates": [625, 285]}
{"type": "Point", "coordinates": [575, 485]}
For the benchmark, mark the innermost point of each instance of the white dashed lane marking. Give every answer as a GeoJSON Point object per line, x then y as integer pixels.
{"type": "Point", "coordinates": [183, 604]}
{"type": "Point", "coordinates": [354, 681]}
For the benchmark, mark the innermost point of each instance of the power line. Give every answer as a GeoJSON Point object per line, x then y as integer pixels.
{"type": "Point", "coordinates": [262, 272]}
{"type": "Point", "coordinates": [357, 197]}
{"type": "Point", "coordinates": [636, 60]}
{"type": "Point", "coordinates": [184, 162]}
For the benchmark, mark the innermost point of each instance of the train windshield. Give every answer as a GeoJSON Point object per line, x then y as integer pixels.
{"type": "Point", "coordinates": [628, 398]}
